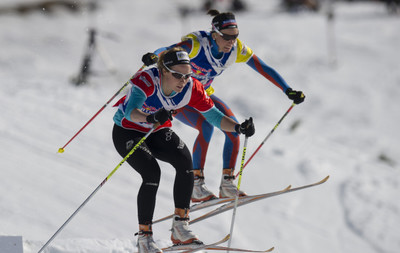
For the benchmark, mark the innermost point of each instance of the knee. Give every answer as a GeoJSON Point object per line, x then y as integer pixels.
{"type": "Point", "coordinates": [233, 137]}
{"type": "Point", "coordinates": [184, 166]}
{"type": "Point", "coordinates": [206, 129]}
{"type": "Point", "coordinates": [151, 177]}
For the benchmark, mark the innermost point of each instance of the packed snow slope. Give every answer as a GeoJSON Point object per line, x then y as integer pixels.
{"type": "Point", "coordinates": [346, 128]}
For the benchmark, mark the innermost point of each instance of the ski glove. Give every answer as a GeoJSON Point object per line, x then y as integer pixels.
{"type": "Point", "coordinates": [149, 59]}
{"type": "Point", "coordinates": [246, 128]}
{"type": "Point", "coordinates": [296, 96]}
{"type": "Point", "coordinates": [161, 116]}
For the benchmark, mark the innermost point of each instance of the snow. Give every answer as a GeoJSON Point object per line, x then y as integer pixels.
{"type": "Point", "coordinates": [11, 244]}
{"type": "Point", "coordinates": [347, 128]}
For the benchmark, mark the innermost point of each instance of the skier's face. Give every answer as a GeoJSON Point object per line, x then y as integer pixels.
{"type": "Point", "coordinates": [225, 39]}
{"type": "Point", "coordinates": [175, 78]}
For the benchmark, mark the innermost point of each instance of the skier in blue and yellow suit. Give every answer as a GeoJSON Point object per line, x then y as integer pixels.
{"type": "Point", "coordinates": [210, 54]}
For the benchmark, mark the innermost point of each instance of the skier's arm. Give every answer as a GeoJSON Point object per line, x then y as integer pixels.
{"type": "Point", "coordinates": [218, 119]}
{"type": "Point", "coordinates": [258, 65]}
{"type": "Point", "coordinates": [204, 104]}
{"type": "Point", "coordinates": [261, 67]}
{"type": "Point", "coordinates": [142, 88]}
{"type": "Point", "coordinates": [136, 101]}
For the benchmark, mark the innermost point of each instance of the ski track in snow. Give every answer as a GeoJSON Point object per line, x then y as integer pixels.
{"type": "Point", "coordinates": [368, 212]}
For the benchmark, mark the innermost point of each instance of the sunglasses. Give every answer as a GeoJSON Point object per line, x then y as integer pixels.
{"type": "Point", "coordinates": [177, 74]}
{"type": "Point", "coordinates": [228, 37]}
{"type": "Point", "coordinates": [224, 36]}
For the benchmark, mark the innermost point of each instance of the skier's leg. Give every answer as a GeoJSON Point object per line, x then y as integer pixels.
{"type": "Point", "coordinates": [178, 155]}
{"type": "Point", "coordinates": [230, 154]}
{"type": "Point", "coordinates": [193, 118]}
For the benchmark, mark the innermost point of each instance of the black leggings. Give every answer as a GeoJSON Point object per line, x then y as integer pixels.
{"type": "Point", "coordinates": [166, 146]}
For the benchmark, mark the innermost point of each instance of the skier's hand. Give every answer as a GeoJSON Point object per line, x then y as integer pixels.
{"type": "Point", "coordinates": [297, 96]}
{"type": "Point", "coordinates": [149, 59]}
{"type": "Point", "coordinates": [247, 127]}
{"type": "Point", "coordinates": [161, 116]}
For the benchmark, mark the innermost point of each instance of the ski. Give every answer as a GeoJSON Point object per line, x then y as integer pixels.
{"type": "Point", "coordinates": [244, 200]}
{"type": "Point", "coordinates": [249, 199]}
{"type": "Point", "coordinates": [214, 202]}
{"type": "Point", "coordinates": [199, 206]}
{"type": "Point", "coordinates": [223, 248]}
{"type": "Point", "coordinates": [238, 249]}
{"type": "Point", "coordinates": [187, 248]}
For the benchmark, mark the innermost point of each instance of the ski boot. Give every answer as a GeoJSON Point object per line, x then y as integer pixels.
{"type": "Point", "coordinates": [145, 242]}
{"type": "Point", "coordinates": [200, 191]}
{"type": "Point", "coordinates": [181, 233]}
{"type": "Point", "coordinates": [227, 188]}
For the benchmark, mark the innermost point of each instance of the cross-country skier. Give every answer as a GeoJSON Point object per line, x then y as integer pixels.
{"type": "Point", "coordinates": [155, 92]}
{"type": "Point", "coordinates": [211, 53]}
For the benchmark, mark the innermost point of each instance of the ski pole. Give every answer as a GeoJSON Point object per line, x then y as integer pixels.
{"type": "Point", "coordinates": [270, 133]}
{"type": "Point", "coordinates": [238, 188]}
{"type": "Point", "coordinates": [98, 187]}
{"type": "Point", "coordinates": [61, 150]}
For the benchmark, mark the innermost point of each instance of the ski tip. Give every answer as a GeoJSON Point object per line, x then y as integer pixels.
{"type": "Point", "coordinates": [60, 150]}
{"type": "Point", "coordinates": [226, 238]}
{"type": "Point", "coordinates": [271, 249]}
{"type": "Point", "coordinates": [287, 188]}
{"type": "Point", "coordinates": [324, 180]}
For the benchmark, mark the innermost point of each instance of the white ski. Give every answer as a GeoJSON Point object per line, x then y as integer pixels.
{"type": "Point", "coordinates": [186, 248]}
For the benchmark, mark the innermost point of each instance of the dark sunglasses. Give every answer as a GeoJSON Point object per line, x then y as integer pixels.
{"type": "Point", "coordinates": [177, 74]}
{"type": "Point", "coordinates": [228, 37]}
{"type": "Point", "coordinates": [224, 36]}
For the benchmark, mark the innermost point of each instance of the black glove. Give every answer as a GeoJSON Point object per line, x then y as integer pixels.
{"type": "Point", "coordinates": [149, 59]}
{"type": "Point", "coordinates": [161, 116]}
{"type": "Point", "coordinates": [246, 128]}
{"type": "Point", "coordinates": [296, 96]}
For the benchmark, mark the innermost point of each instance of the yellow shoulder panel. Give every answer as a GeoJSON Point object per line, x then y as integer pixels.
{"type": "Point", "coordinates": [195, 44]}
{"type": "Point", "coordinates": [210, 90]}
{"type": "Point", "coordinates": [243, 52]}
